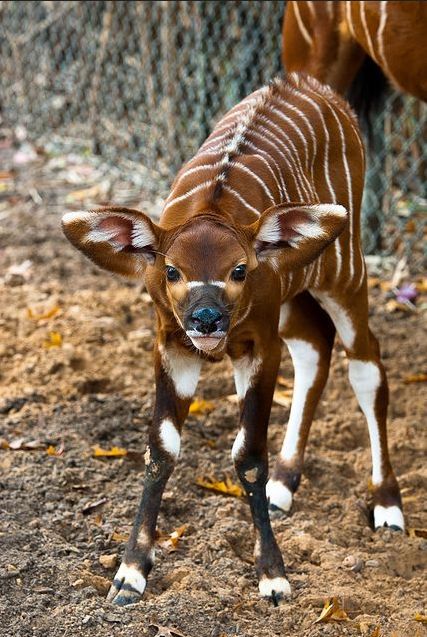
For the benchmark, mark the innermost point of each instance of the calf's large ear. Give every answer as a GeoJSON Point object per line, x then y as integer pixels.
{"type": "Point", "coordinates": [300, 231]}
{"type": "Point", "coordinates": [118, 239]}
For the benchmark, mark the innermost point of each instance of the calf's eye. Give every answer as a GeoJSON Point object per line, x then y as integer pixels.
{"type": "Point", "coordinates": [172, 274]}
{"type": "Point", "coordinates": [239, 273]}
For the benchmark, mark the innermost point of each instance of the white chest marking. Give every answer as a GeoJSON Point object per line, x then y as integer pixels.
{"type": "Point", "coordinates": [170, 438]}
{"type": "Point", "coordinates": [365, 378]}
{"type": "Point", "coordinates": [183, 370]}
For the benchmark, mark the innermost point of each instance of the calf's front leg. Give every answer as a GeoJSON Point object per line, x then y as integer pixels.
{"type": "Point", "coordinates": [255, 380]}
{"type": "Point", "coordinates": [177, 374]}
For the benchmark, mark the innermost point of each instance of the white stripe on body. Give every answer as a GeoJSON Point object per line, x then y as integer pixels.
{"type": "Point", "coordinates": [337, 247]}
{"type": "Point", "coordinates": [305, 34]}
{"type": "Point", "coordinates": [381, 48]}
{"type": "Point", "coordinates": [362, 7]}
{"type": "Point", "coordinates": [287, 139]}
{"type": "Point", "coordinates": [299, 183]}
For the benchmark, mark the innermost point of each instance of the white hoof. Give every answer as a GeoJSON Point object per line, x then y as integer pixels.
{"type": "Point", "coordinates": [278, 495]}
{"type": "Point", "coordinates": [388, 516]}
{"type": "Point", "coordinates": [127, 587]}
{"type": "Point", "coordinates": [276, 587]}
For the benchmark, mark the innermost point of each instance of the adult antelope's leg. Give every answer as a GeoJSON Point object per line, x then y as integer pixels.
{"type": "Point", "coordinates": [177, 374]}
{"type": "Point", "coordinates": [368, 379]}
{"type": "Point", "coordinates": [309, 334]}
{"type": "Point", "coordinates": [255, 379]}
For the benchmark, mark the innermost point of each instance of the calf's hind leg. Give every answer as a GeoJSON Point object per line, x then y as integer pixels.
{"type": "Point", "coordinates": [369, 382]}
{"type": "Point", "coordinates": [309, 334]}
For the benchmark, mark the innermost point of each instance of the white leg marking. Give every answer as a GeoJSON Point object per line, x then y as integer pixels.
{"type": "Point", "coordinates": [183, 370]}
{"type": "Point", "coordinates": [339, 317]}
{"type": "Point", "coordinates": [306, 362]}
{"type": "Point", "coordinates": [388, 516]}
{"type": "Point", "coordinates": [244, 371]}
{"type": "Point", "coordinates": [279, 495]}
{"type": "Point", "coordinates": [277, 584]}
{"type": "Point", "coordinates": [365, 378]}
{"type": "Point", "coordinates": [239, 444]}
{"type": "Point", "coordinates": [170, 438]}
{"type": "Point", "coordinates": [130, 575]}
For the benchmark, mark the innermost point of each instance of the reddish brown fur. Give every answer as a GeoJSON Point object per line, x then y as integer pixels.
{"type": "Point", "coordinates": [340, 41]}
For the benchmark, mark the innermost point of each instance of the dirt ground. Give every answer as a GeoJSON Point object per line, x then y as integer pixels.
{"type": "Point", "coordinates": [76, 372]}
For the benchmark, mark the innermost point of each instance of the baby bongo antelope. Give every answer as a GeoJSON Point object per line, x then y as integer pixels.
{"type": "Point", "coordinates": [258, 243]}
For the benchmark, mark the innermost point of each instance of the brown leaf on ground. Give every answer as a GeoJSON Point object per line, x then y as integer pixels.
{"type": "Point", "coordinates": [376, 632]}
{"type": "Point", "coordinates": [54, 340]}
{"type": "Point", "coordinates": [283, 397]}
{"type": "Point", "coordinates": [101, 584]}
{"type": "Point", "coordinates": [114, 452]}
{"type": "Point", "coordinates": [332, 611]}
{"type": "Point", "coordinates": [417, 533]}
{"type": "Point", "coordinates": [53, 311]}
{"type": "Point", "coordinates": [200, 406]}
{"type": "Point", "coordinates": [226, 487]}
{"type": "Point", "coordinates": [93, 505]}
{"type": "Point", "coordinates": [165, 631]}
{"type": "Point", "coordinates": [285, 382]}
{"type": "Point", "coordinates": [415, 378]}
{"type": "Point", "coordinates": [119, 537]}
{"type": "Point", "coordinates": [169, 541]}
{"type": "Point", "coordinates": [420, 618]}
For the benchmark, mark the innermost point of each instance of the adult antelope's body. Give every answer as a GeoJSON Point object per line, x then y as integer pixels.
{"type": "Point", "coordinates": [260, 232]}
{"type": "Point", "coordinates": [332, 40]}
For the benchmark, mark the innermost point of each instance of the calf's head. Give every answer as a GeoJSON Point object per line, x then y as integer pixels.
{"type": "Point", "coordinates": [202, 270]}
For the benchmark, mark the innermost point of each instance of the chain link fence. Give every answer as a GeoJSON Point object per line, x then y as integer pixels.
{"type": "Point", "coordinates": [146, 81]}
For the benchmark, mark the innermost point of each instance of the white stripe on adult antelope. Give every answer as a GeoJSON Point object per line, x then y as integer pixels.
{"type": "Point", "coordinates": [258, 242]}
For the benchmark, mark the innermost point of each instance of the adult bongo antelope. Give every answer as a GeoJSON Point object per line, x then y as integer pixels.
{"type": "Point", "coordinates": [352, 45]}
{"type": "Point", "coordinates": [258, 242]}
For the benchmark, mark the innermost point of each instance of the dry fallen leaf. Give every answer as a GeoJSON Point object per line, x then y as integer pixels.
{"type": "Point", "coordinates": [55, 340]}
{"type": "Point", "coordinates": [412, 533]}
{"type": "Point", "coordinates": [376, 632]}
{"type": "Point", "coordinates": [93, 505]}
{"type": "Point", "coordinates": [169, 541]}
{"type": "Point", "coordinates": [285, 382]}
{"type": "Point", "coordinates": [201, 406]}
{"type": "Point", "coordinates": [102, 584]}
{"type": "Point", "coordinates": [283, 397]}
{"type": "Point", "coordinates": [415, 378]}
{"type": "Point", "coordinates": [53, 311]}
{"type": "Point", "coordinates": [55, 451]}
{"type": "Point", "coordinates": [420, 618]}
{"type": "Point", "coordinates": [114, 452]}
{"type": "Point", "coordinates": [227, 487]}
{"type": "Point", "coordinates": [165, 631]}
{"type": "Point", "coordinates": [119, 537]}
{"type": "Point", "coordinates": [332, 611]}
{"type": "Point", "coordinates": [20, 444]}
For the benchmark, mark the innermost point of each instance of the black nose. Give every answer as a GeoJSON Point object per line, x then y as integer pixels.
{"type": "Point", "coordinates": [206, 319]}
